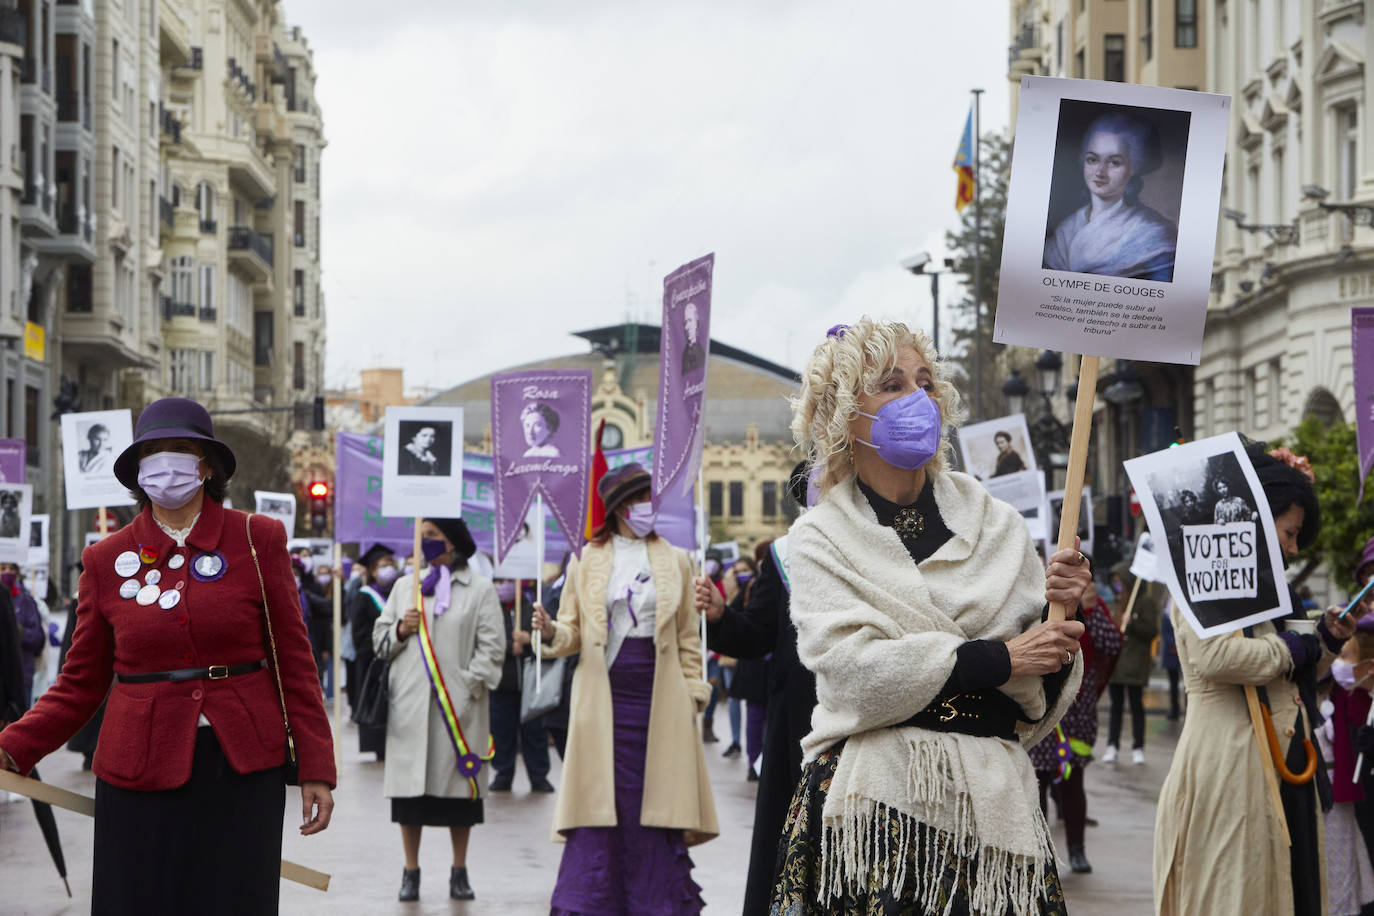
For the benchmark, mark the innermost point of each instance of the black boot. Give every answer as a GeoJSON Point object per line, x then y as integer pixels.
{"type": "Point", "coordinates": [458, 887]}
{"type": "Point", "coordinates": [1078, 861]}
{"type": "Point", "coordinates": [410, 885]}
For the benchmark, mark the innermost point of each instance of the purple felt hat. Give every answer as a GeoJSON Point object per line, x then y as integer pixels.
{"type": "Point", "coordinates": [172, 418]}
{"type": "Point", "coordinates": [1366, 557]}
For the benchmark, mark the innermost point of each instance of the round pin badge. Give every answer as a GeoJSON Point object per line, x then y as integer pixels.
{"type": "Point", "coordinates": [126, 564]}
{"type": "Point", "coordinates": [129, 588]}
{"type": "Point", "coordinates": [154, 577]}
{"type": "Point", "coordinates": [148, 594]}
{"type": "Point", "coordinates": [176, 561]}
{"type": "Point", "coordinates": [147, 554]}
{"type": "Point", "coordinates": [169, 600]}
{"type": "Point", "coordinates": [208, 567]}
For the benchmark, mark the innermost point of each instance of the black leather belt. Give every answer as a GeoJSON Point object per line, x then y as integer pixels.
{"type": "Point", "coordinates": [981, 713]}
{"type": "Point", "coordinates": [212, 673]}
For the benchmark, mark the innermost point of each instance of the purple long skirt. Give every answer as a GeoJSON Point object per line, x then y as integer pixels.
{"type": "Point", "coordinates": [629, 869]}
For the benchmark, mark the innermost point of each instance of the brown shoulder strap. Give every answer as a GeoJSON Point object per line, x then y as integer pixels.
{"type": "Point", "coordinates": [271, 639]}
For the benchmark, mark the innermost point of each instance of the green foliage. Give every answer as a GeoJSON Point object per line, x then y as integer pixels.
{"type": "Point", "coordinates": [996, 170]}
{"type": "Point", "coordinates": [1345, 528]}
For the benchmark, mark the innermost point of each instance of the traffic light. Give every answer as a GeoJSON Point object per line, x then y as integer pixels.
{"type": "Point", "coordinates": [319, 505]}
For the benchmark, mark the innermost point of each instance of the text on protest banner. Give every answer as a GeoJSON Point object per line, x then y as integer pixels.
{"type": "Point", "coordinates": [1220, 561]}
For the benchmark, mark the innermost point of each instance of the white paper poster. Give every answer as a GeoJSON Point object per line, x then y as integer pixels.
{"type": "Point", "coordinates": [997, 448]}
{"type": "Point", "coordinates": [422, 462]}
{"type": "Point", "coordinates": [1055, 505]}
{"type": "Point", "coordinates": [1111, 219]}
{"type": "Point", "coordinates": [281, 506]}
{"type": "Point", "coordinates": [90, 444]}
{"type": "Point", "coordinates": [16, 511]}
{"type": "Point", "coordinates": [36, 569]}
{"type": "Point", "coordinates": [522, 560]}
{"type": "Point", "coordinates": [1145, 564]}
{"type": "Point", "coordinates": [1204, 503]}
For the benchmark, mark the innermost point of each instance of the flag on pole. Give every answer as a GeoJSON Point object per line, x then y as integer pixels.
{"type": "Point", "coordinates": [963, 167]}
{"type": "Point", "coordinates": [596, 509]}
{"type": "Point", "coordinates": [1362, 355]}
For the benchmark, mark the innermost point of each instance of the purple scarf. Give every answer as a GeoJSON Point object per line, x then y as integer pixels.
{"type": "Point", "coordinates": [438, 584]}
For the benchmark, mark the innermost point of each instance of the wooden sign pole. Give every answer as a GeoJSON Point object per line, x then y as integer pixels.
{"type": "Point", "coordinates": [1130, 605]}
{"type": "Point", "coordinates": [338, 656]}
{"type": "Point", "coordinates": [83, 804]}
{"type": "Point", "coordinates": [538, 591]}
{"type": "Point", "coordinates": [104, 522]}
{"type": "Point", "coordinates": [701, 556]}
{"type": "Point", "coordinates": [1078, 462]}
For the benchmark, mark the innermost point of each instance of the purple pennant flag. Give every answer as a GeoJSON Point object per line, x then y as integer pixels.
{"type": "Point", "coordinates": [541, 443]}
{"type": "Point", "coordinates": [13, 460]}
{"type": "Point", "coordinates": [684, 343]}
{"type": "Point", "coordinates": [1362, 352]}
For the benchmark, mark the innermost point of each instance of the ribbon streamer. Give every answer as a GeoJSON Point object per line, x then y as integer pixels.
{"type": "Point", "coordinates": [469, 763]}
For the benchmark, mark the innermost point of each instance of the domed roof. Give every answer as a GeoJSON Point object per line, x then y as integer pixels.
{"type": "Point", "coordinates": [741, 388]}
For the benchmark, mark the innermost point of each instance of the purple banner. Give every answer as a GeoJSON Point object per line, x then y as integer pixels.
{"type": "Point", "coordinates": [13, 461]}
{"type": "Point", "coordinates": [684, 344]}
{"type": "Point", "coordinates": [1362, 353]}
{"type": "Point", "coordinates": [541, 439]}
{"type": "Point", "coordinates": [358, 515]}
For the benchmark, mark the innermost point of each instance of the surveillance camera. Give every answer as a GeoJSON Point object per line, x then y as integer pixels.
{"type": "Point", "coordinates": [916, 263]}
{"type": "Point", "coordinates": [1315, 192]}
{"type": "Point", "coordinates": [1231, 214]}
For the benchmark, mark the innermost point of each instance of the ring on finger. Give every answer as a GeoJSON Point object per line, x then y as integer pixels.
{"type": "Point", "coordinates": [1068, 657]}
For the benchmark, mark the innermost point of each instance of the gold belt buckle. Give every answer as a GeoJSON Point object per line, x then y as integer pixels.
{"type": "Point", "coordinates": [219, 672]}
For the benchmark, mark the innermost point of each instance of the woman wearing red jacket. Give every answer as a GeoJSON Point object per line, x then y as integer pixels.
{"type": "Point", "coordinates": [192, 758]}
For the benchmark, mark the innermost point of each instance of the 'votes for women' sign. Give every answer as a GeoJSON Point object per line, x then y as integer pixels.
{"type": "Point", "coordinates": [1212, 533]}
{"type": "Point", "coordinates": [541, 439]}
{"type": "Point", "coordinates": [684, 344]}
{"type": "Point", "coordinates": [1111, 219]}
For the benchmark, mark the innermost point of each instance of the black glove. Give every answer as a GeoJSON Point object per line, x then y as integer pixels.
{"type": "Point", "coordinates": [1364, 742]}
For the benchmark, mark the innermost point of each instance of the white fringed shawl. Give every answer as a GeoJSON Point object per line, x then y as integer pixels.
{"type": "Point", "coordinates": [880, 633]}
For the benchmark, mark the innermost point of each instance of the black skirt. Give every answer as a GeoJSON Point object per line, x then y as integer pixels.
{"type": "Point", "coordinates": [434, 811]}
{"type": "Point", "coordinates": [212, 845]}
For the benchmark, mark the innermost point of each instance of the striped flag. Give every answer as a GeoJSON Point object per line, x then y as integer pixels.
{"type": "Point", "coordinates": [963, 167]}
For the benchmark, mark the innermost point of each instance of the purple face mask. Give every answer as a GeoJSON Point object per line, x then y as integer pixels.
{"type": "Point", "coordinates": [433, 549]}
{"type": "Point", "coordinates": [640, 517]}
{"type": "Point", "coordinates": [170, 479]}
{"type": "Point", "coordinates": [505, 592]}
{"type": "Point", "coordinates": [906, 432]}
{"type": "Point", "coordinates": [386, 575]}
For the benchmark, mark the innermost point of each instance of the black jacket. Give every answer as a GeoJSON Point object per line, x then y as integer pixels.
{"type": "Point", "coordinates": [13, 696]}
{"type": "Point", "coordinates": [764, 625]}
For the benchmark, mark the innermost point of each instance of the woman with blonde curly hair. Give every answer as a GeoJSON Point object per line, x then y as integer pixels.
{"type": "Point", "coordinates": [918, 601]}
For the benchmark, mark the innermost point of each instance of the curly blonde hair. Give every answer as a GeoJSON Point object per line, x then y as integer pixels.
{"type": "Point", "coordinates": [848, 365]}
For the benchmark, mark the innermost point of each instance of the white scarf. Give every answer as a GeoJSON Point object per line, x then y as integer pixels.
{"type": "Point", "coordinates": [880, 633]}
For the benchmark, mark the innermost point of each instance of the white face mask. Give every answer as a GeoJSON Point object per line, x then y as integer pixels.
{"type": "Point", "coordinates": [1343, 673]}
{"type": "Point", "coordinates": [171, 479]}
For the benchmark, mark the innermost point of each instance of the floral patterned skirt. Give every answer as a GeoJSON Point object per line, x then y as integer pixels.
{"type": "Point", "coordinates": [799, 864]}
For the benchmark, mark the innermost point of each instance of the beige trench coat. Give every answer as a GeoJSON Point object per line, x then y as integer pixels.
{"type": "Point", "coordinates": [1218, 847]}
{"type": "Point", "coordinates": [677, 788]}
{"type": "Point", "coordinates": [470, 642]}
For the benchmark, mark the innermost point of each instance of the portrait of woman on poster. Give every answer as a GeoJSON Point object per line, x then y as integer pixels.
{"type": "Point", "coordinates": [1114, 233]}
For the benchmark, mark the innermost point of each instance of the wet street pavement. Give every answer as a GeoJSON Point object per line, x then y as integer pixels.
{"type": "Point", "coordinates": [512, 863]}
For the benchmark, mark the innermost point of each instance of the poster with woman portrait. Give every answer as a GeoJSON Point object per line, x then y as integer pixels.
{"type": "Point", "coordinates": [281, 506]}
{"type": "Point", "coordinates": [90, 443]}
{"type": "Point", "coordinates": [422, 465]}
{"type": "Point", "coordinates": [998, 452]}
{"type": "Point", "coordinates": [1213, 534]}
{"type": "Point", "coordinates": [1111, 219]}
{"type": "Point", "coordinates": [16, 511]}
{"type": "Point", "coordinates": [541, 444]}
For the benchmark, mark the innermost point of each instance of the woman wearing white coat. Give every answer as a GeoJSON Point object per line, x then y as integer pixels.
{"type": "Point", "coordinates": [430, 781]}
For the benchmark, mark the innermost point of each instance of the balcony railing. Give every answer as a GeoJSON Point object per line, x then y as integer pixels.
{"type": "Point", "coordinates": [172, 309]}
{"type": "Point", "coordinates": [208, 313]}
{"type": "Point", "coordinates": [241, 238]}
{"type": "Point", "coordinates": [13, 27]}
{"type": "Point", "coordinates": [171, 126]}
{"type": "Point", "coordinates": [167, 212]}
{"type": "Point", "coordinates": [299, 309]}
{"type": "Point", "coordinates": [208, 227]}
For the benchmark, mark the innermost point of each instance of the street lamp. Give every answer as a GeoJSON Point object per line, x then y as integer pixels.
{"type": "Point", "coordinates": [1126, 390]}
{"type": "Point", "coordinates": [1015, 389]}
{"type": "Point", "coordinates": [918, 265]}
{"type": "Point", "coordinates": [1047, 369]}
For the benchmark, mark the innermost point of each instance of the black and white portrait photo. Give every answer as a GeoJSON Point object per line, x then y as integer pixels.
{"type": "Point", "coordinates": [422, 461]}
{"type": "Point", "coordinates": [1117, 190]}
{"type": "Point", "coordinates": [98, 455]}
{"type": "Point", "coordinates": [11, 520]}
{"type": "Point", "coordinates": [36, 538]}
{"type": "Point", "coordinates": [539, 422]}
{"type": "Point", "coordinates": [693, 353]}
{"type": "Point", "coordinates": [1055, 499]}
{"type": "Point", "coordinates": [1206, 511]}
{"type": "Point", "coordinates": [997, 448]}
{"type": "Point", "coordinates": [427, 449]}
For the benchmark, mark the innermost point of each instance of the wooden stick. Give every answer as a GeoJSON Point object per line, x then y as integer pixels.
{"type": "Point", "coordinates": [337, 661]}
{"type": "Point", "coordinates": [83, 804]}
{"type": "Point", "coordinates": [1130, 605]}
{"type": "Point", "coordinates": [701, 556]}
{"type": "Point", "coordinates": [538, 592]}
{"type": "Point", "coordinates": [104, 522]}
{"type": "Point", "coordinates": [1078, 462]}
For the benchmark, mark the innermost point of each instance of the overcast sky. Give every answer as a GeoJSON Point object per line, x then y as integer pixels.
{"type": "Point", "coordinates": [500, 175]}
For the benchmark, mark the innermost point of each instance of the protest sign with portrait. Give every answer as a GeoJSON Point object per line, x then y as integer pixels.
{"type": "Point", "coordinates": [423, 468]}
{"type": "Point", "coordinates": [90, 443]}
{"type": "Point", "coordinates": [1213, 533]}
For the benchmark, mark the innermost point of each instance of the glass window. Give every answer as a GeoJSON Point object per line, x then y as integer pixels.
{"type": "Point", "coordinates": [715, 500]}
{"type": "Point", "coordinates": [1185, 23]}
{"type": "Point", "coordinates": [736, 498]}
{"type": "Point", "coordinates": [770, 498]}
{"type": "Point", "coordinates": [1114, 58]}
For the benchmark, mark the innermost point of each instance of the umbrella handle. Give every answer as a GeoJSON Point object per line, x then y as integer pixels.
{"type": "Point", "coordinates": [1287, 775]}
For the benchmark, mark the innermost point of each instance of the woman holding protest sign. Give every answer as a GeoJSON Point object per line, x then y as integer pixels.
{"type": "Point", "coordinates": [627, 606]}
{"type": "Point", "coordinates": [190, 612]}
{"type": "Point", "coordinates": [932, 675]}
{"type": "Point", "coordinates": [1219, 846]}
